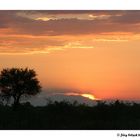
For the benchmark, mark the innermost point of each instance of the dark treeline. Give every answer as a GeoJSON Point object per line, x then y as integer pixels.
{"type": "Point", "coordinates": [71, 116]}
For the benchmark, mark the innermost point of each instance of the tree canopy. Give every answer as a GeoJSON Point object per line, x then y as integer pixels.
{"type": "Point", "coordinates": [16, 82]}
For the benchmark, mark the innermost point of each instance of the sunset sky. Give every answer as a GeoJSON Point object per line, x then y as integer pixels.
{"type": "Point", "coordinates": [75, 52]}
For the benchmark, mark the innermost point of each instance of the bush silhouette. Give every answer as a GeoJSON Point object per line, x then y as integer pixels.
{"type": "Point", "coordinates": [16, 82]}
{"type": "Point", "coordinates": [68, 116]}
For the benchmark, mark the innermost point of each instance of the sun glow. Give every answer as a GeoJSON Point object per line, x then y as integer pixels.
{"type": "Point", "coordinates": [90, 96]}
{"type": "Point", "coordinates": [87, 95]}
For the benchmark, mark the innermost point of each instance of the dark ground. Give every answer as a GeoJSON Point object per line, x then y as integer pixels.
{"type": "Point", "coordinates": [71, 116]}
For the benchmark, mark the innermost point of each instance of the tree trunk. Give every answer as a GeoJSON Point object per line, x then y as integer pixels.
{"type": "Point", "coordinates": [16, 103]}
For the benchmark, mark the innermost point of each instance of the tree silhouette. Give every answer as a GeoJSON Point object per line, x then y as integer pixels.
{"type": "Point", "coordinates": [16, 82]}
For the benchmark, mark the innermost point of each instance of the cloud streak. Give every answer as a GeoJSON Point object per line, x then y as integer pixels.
{"type": "Point", "coordinates": [33, 32]}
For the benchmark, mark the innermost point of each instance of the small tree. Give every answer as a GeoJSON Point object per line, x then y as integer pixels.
{"type": "Point", "coordinates": [16, 82]}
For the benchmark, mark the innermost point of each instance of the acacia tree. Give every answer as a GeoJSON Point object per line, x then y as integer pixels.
{"type": "Point", "coordinates": [17, 82]}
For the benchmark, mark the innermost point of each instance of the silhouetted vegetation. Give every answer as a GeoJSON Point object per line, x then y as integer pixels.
{"type": "Point", "coordinates": [65, 116]}
{"type": "Point", "coordinates": [18, 82]}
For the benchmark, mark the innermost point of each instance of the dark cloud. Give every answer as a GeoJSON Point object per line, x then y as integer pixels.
{"type": "Point", "coordinates": [125, 22]}
{"type": "Point", "coordinates": [128, 17]}
{"type": "Point", "coordinates": [59, 94]}
{"type": "Point", "coordinates": [44, 99]}
{"type": "Point", "coordinates": [58, 12]}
